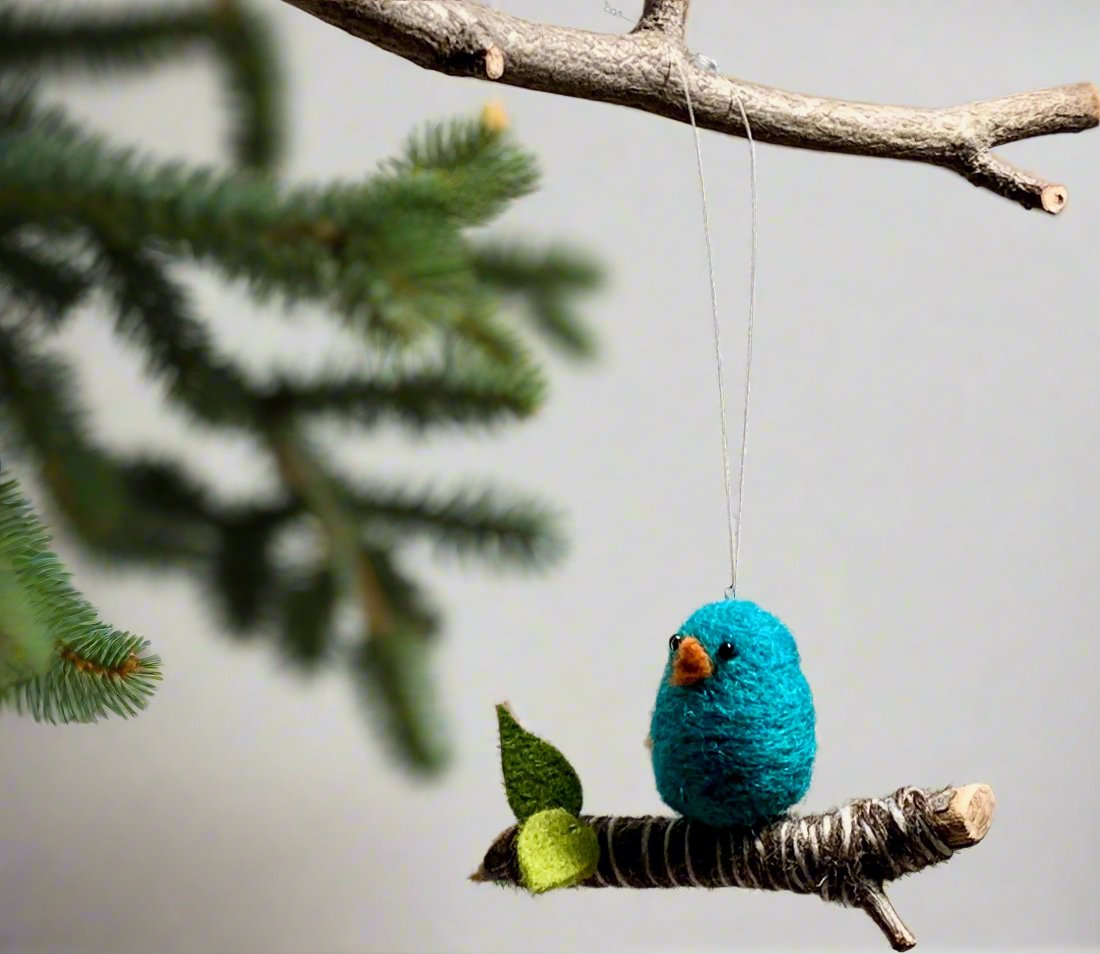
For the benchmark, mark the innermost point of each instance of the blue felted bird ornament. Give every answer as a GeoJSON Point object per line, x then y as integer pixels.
{"type": "Point", "coordinates": [733, 728]}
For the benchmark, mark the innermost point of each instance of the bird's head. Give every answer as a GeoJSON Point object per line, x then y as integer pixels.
{"type": "Point", "coordinates": [728, 643]}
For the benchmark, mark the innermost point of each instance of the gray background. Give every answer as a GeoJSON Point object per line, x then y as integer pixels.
{"type": "Point", "coordinates": [922, 510]}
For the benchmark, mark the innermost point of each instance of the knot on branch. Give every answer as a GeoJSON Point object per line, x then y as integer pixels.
{"type": "Point", "coordinates": [473, 51]}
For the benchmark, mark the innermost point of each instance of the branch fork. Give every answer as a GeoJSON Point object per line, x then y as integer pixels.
{"type": "Point", "coordinates": [469, 38]}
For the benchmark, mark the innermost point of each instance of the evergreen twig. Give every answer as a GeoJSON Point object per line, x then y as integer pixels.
{"type": "Point", "coordinates": [40, 279]}
{"type": "Point", "coordinates": [386, 253]}
{"type": "Point", "coordinates": [421, 398]}
{"type": "Point", "coordinates": [545, 281]}
{"type": "Point", "coordinates": [470, 521]}
{"type": "Point", "coordinates": [153, 309]}
{"type": "Point", "coordinates": [60, 662]}
{"type": "Point", "coordinates": [391, 654]}
{"type": "Point", "coordinates": [101, 496]}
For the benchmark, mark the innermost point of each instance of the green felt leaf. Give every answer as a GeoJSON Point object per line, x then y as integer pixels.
{"type": "Point", "coordinates": [556, 850]}
{"type": "Point", "coordinates": [537, 776]}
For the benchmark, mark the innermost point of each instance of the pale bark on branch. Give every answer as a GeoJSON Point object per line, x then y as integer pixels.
{"type": "Point", "coordinates": [638, 69]}
{"type": "Point", "coordinates": [845, 855]}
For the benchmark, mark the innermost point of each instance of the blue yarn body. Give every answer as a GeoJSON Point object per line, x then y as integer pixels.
{"type": "Point", "coordinates": [737, 747]}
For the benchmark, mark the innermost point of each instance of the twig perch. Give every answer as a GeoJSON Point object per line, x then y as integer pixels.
{"type": "Point", "coordinates": [467, 38]}
{"type": "Point", "coordinates": [844, 855]}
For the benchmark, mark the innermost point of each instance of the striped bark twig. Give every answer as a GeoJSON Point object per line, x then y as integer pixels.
{"type": "Point", "coordinates": [845, 855]}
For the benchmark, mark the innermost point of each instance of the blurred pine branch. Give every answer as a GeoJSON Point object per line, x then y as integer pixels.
{"type": "Point", "coordinates": [442, 313]}
{"type": "Point", "coordinates": [138, 39]}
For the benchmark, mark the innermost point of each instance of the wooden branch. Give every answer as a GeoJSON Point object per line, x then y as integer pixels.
{"type": "Point", "coordinates": [467, 38]}
{"type": "Point", "coordinates": [844, 855]}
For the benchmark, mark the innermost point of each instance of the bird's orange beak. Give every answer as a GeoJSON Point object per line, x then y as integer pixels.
{"type": "Point", "coordinates": [691, 665]}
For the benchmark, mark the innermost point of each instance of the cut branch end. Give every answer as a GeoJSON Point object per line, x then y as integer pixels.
{"type": "Point", "coordinates": [969, 815]}
{"type": "Point", "coordinates": [882, 912]}
{"type": "Point", "coordinates": [1054, 198]}
{"type": "Point", "coordinates": [494, 62]}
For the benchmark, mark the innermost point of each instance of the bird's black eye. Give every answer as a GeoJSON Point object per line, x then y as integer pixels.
{"type": "Point", "coordinates": [674, 642]}
{"type": "Point", "coordinates": [727, 651]}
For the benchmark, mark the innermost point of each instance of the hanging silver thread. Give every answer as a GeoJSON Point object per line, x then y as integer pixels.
{"type": "Point", "coordinates": [706, 63]}
{"type": "Point", "coordinates": [748, 341]}
{"type": "Point", "coordinates": [735, 521]}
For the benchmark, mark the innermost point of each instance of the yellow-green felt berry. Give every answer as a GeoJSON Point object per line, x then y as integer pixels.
{"type": "Point", "coordinates": [556, 850]}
